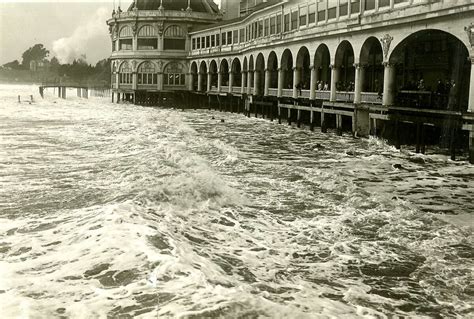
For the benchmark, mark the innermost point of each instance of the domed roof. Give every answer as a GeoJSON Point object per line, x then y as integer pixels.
{"type": "Point", "coordinates": [206, 6]}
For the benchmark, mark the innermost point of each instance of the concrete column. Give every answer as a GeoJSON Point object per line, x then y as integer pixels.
{"type": "Point", "coordinates": [219, 81]}
{"type": "Point", "coordinates": [199, 81]}
{"type": "Point", "coordinates": [231, 81]}
{"type": "Point", "coordinates": [281, 76]}
{"type": "Point", "coordinates": [471, 88]}
{"type": "Point", "coordinates": [388, 84]}
{"type": "Point", "coordinates": [256, 81]}
{"type": "Point", "coordinates": [160, 81]}
{"type": "Point", "coordinates": [296, 81]}
{"type": "Point", "coordinates": [471, 144]}
{"type": "Point", "coordinates": [243, 85]}
{"type": "Point", "coordinates": [190, 81]}
{"type": "Point", "coordinates": [209, 78]}
{"type": "Point", "coordinates": [249, 81]}
{"type": "Point", "coordinates": [357, 84]}
{"type": "Point", "coordinates": [134, 80]}
{"type": "Point", "coordinates": [334, 79]}
{"type": "Point", "coordinates": [267, 81]}
{"type": "Point", "coordinates": [392, 4]}
{"type": "Point", "coordinates": [313, 83]}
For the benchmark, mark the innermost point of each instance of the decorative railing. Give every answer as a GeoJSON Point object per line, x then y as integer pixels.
{"type": "Point", "coordinates": [224, 89]}
{"type": "Point", "coordinates": [305, 93]}
{"type": "Point", "coordinates": [236, 89]}
{"type": "Point", "coordinates": [287, 92]}
{"type": "Point", "coordinates": [345, 96]}
{"type": "Point", "coordinates": [125, 86]}
{"type": "Point", "coordinates": [371, 97]}
{"type": "Point", "coordinates": [323, 95]}
{"type": "Point", "coordinates": [272, 92]}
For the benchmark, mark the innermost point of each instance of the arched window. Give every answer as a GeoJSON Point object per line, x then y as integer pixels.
{"type": "Point", "coordinates": [125, 73]}
{"type": "Point", "coordinates": [174, 75]}
{"type": "Point", "coordinates": [146, 74]}
{"type": "Point", "coordinates": [147, 38]}
{"type": "Point", "coordinates": [174, 38]}
{"type": "Point", "coordinates": [125, 42]}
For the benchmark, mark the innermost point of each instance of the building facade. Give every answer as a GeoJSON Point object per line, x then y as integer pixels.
{"type": "Point", "coordinates": [375, 64]}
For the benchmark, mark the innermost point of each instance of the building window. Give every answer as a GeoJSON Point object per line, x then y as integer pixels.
{"type": "Point", "coordinates": [174, 38]}
{"type": "Point", "coordinates": [218, 37]}
{"type": "Point", "coordinates": [287, 23]}
{"type": "Point", "coordinates": [260, 28]}
{"type": "Point", "coordinates": [208, 41]}
{"type": "Point", "coordinates": [125, 44]}
{"type": "Point", "coordinates": [278, 21]}
{"type": "Point", "coordinates": [242, 35]}
{"type": "Point", "coordinates": [272, 25]}
{"type": "Point", "coordinates": [125, 74]}
{"type": "Point", "coordinates": [384, 3]}
{"type": "Point", "coordinates": [213, 40]}
{"type": "Point", "coordinates": [303, 16]}
{"type": "Point", "coordinates": [294, 20]}
{"type": "Point", "coordinates": [193, 41]}
{"type": "Point", "coordinates": [147, 44]}
{"type": "Point", "coordinates": [236, 36]}
{"type": "Point", "coordinates": [146, 74]}
{"type": "Point", "coordinates": [312, 13]}
{"type": "Point", "coordinates": [322, 15]}
{"type": "Point", "coordinates": [343, 8]}
{"type": "Point", "coordinates": [224, 39]}
{"type": "Point", "coordinates": [229, 37]}
{"type": "Point", "coordinates": [355, 6]}
{"type": "Point", "coordinates": [369, 4]}
{"type": "Point", "coordinates": [174, 75]}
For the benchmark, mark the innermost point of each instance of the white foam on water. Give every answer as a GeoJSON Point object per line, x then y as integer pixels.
{"type": "Point", "coordinates": [110, 210]}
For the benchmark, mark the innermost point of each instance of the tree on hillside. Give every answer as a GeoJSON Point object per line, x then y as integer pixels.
{"type": "Point", "coordinates": [37, 52]}
{"type": "Point", "coordinates": [15, 65]}
{"type": "Point", "coordinates": [54, 64]}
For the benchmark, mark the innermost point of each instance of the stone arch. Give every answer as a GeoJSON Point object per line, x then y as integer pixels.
{"type": "Point", "coordinates": [236, 69]}
{"type": "Point", "coordinates": [174, 74]}
{"type": "Point", "coordinates": [146, 73]}
{"type": "Point", "coordinates": [245, 64]}
{"type": "Point", "coordinates": [344, 64]}
{"type": "Point", "coordinates": [440, 59]}
{"type": "Point", "coordinates": [322, 62]}
{"type": "Point", "coordinates": [203, 71]}
{"type": "Point", "coordinates": [125, 73]}
{"type": "Point", "coordinates": [213, 71]}
{"type": "Point", "coordinates": [251, 68]}
{"type": "Point", "coordinates": [147, 30]}
{"type": "Point", "coordinates": [287, 69]}
{"type": "Point", "coordinates": [303, 62]}
{"type": "Point", "coordinates": [194, 75]}
{"type": "Point", "coordinates": [371, 60]}
{"type": "Point", "coordinates": [126, 32]}
{"type": "Point", "coordinates": [272, 66]}
{"type": "Point", "coordinates": [259, 74]}
{"type": "Point", "coordinates": [224, 70]}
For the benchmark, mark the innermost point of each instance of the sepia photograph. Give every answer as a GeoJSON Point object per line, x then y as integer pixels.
{"type": "Point", "coordinates": [236, 159]}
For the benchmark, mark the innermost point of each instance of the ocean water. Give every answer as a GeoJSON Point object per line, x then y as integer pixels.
{"type": "Point", "coordinates": [124, 211]}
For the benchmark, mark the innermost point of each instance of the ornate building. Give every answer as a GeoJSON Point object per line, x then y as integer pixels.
{"type": "Point", "coordinates": [370, 65]}
{"type": "Point", "coordinates": [151, 43]}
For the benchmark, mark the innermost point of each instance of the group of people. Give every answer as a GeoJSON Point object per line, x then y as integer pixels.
{"type": "Point", "coordinates": [444, 96]}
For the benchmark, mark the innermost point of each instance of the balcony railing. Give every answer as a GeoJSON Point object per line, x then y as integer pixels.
{"type": "Point", "coordinates": [272, 92]}
{"type": "Point", "coordinates": [345, 96]}
{"type": "Point", "coordinates": [224, 89]}
{"type": "Point", "coordinates": [236, 89]}
{"type": "Point", "coordinates": [287, 92]}
{"type": "Point", "coordinates": [370, 97]}
{"type": "Point", "coordinates": [304, 93]}
{"type": "Point", "coordinates": [323, 95]}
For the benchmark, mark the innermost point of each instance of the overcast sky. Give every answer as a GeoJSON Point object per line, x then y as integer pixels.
{"type": "Point", "coordinates": [67, 28]}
